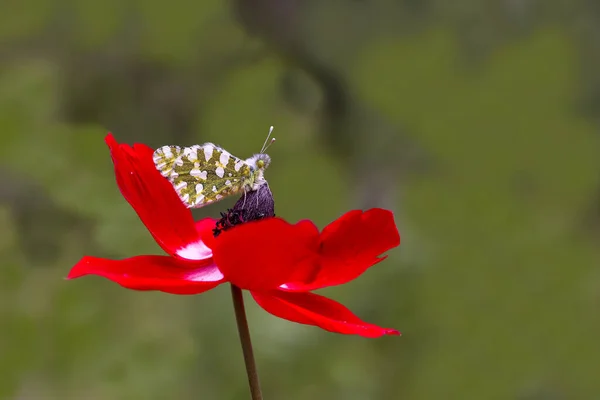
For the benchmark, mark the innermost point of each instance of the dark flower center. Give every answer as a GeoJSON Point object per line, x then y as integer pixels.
{"type": "Point", "coordinates": [252, 206]}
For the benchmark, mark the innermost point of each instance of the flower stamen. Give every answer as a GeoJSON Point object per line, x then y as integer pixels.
{"type": "Point", "coordinates": [245, 211]}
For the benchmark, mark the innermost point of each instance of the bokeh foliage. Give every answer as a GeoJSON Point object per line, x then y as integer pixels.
{"type": "Point", "coordinates": [496, 286]}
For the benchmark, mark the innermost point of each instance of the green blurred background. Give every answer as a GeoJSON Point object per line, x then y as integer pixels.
{"type": "Point", "coordinates": [475, 121]}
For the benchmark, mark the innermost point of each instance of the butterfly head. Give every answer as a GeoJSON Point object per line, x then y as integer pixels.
{"type": "Point", "coordinates": [259, 162]}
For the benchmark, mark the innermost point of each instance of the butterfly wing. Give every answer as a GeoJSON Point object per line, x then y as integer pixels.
{"type": "Point", "coordinates": [202, 174]}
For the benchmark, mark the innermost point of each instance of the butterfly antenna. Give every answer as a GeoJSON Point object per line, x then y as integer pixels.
{"type": "Point", "coordinates": [265, 145]}
{"type": "Point", "coordinates": [269, 145]}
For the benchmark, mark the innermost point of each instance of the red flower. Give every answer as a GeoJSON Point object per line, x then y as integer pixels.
{"type": "Point", "coordinates": [278, 262]}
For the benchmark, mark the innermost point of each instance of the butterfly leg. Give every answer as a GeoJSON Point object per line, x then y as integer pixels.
{"type": "Point", "coordinates": [268, 188]}
{"type": "Point", "coordinates": [244, 203]}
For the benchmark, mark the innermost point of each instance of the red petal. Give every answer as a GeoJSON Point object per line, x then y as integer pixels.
{"type": "Point", "coordinates": [351, 245]}
{"type": "Point", "coordinates": [155, 201]}
{"type": "Point", "coordinates": [312, 309]}
{"type": "Point", "coordinates": [205, 228]}
{"type": "Point", "coordinates": [163, 273]}
{"type": "Point", "coordinates": [262, 255]}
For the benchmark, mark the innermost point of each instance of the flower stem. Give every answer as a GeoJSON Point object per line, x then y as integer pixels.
{"type": "Point", "coordinates": [242, 324]}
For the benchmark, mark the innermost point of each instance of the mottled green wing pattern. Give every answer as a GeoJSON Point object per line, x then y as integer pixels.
{"type": "Point", "coordinates": [202, 174]}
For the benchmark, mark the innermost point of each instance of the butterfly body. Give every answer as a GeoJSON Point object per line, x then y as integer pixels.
{"type": "Point", "coordinates": [203, 174]}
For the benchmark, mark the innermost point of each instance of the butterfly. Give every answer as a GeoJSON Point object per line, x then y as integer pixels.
{"type": "Point", "coordinates": [205, 173]}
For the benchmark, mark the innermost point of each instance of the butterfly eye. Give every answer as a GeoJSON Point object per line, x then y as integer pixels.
{"type": "Point", "coordinates": [260, 164]}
